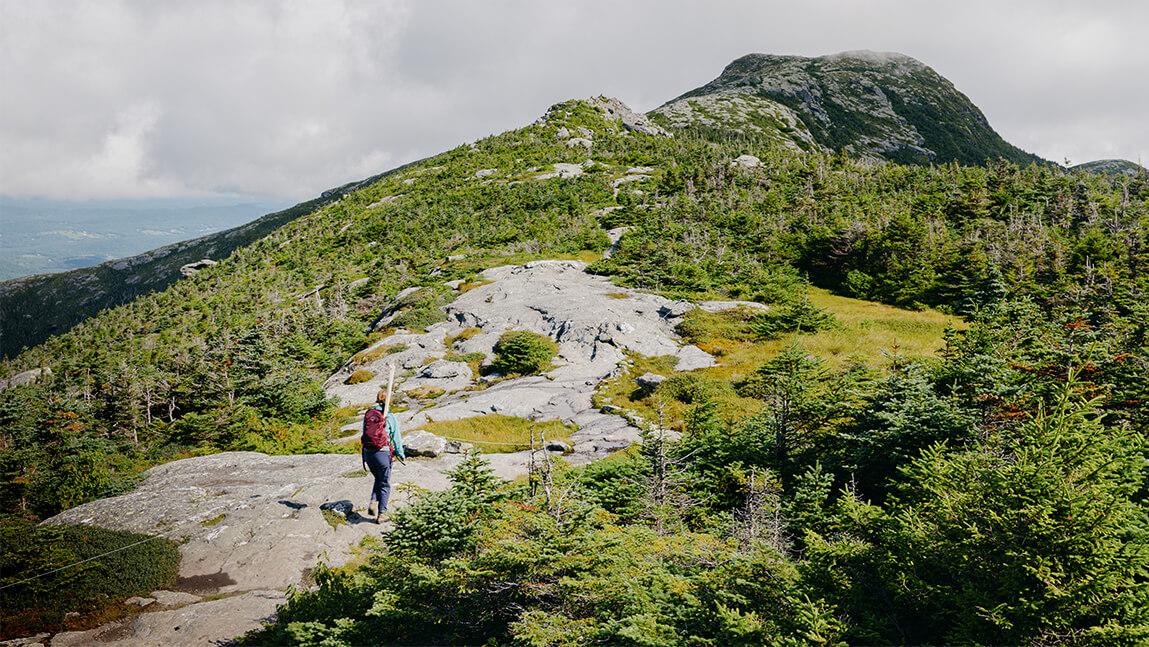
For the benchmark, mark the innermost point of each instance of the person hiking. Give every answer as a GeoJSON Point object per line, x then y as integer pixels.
{"type": "Point", "coordinates": [382, 441]}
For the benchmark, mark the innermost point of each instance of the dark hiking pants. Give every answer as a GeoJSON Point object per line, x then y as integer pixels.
{"type": "Point", "coordinates": [380, 465]}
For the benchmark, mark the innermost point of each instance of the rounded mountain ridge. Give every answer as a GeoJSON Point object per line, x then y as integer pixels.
{"type": "Point", "coordinates": [879, 105]}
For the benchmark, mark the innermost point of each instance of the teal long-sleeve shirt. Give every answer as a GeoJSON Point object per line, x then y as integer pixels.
{"type": "Point", "coordinates": [396, 435]}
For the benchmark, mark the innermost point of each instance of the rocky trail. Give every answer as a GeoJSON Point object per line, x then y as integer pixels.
{"type": "Point", "coordinates": [251, 525]}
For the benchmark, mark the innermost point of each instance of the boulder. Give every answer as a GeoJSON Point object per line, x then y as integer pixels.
{"type": "Point", "coordinates": [423, 443]}
{"type": "Point", "coordinates": [558, 446]}
{"type": "Point", "coordinates": [614, 109]}
{"type": "Point", "coordinates": [383, 201]}
{"type": "Point", "coordinates": [192, 268]}
{"type": "Point", "coordinates": [691, 358]}
{"type": "Point", "coordinates": [214, 622]}
{"type": "Point", "coordinates": [25, 377]}
{"type": "Point", "coordinates": [575, 142]}
{"type": "Point", "coordinates": [406, 292]}
{"type": "Point", "coordinates": [139, 602]}
{"type": "Point", "coordinates": [722, 306]}
{"type": "Point", "coordinates": [444, 370]}
{"type": "Point", "coordinates": [650, 380]}
{"type": "Point", "coordinates": [746, 161]}
{"type": "Point", "coordinates": [675, 309]}
{"type": "Point", "coordinates": [484, 172]}
{"type": "Point", "coordinates": [458, 447]}
{"type": "Point", "coordinates": [563, 133]}
{"type": "Point", "coordinates": [563, 171]}
{"type": "Point", "coordinates": [629, 178]}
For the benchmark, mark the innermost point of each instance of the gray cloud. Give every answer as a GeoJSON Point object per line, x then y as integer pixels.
{"type": "Point", "coordinates": [143, 98]}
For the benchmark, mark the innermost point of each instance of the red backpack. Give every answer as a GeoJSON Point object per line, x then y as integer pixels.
{"type": "Point", "coordinates": [375, 436]}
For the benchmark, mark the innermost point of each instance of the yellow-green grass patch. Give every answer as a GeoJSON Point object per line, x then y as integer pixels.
{"type": "Point", "coordinates": [865, 332]}
{"type": "Point", "coordinates": [462, 335]}
{"type": "Point", "coordinates": [496, 433]}
{"type": "Point", "coordinates": [372, 354]}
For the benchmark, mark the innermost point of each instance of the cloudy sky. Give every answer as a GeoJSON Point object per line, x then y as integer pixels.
{"type": "Point", "coordinates": [123, 99]}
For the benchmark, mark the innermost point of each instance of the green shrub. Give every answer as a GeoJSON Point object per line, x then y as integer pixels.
{"type": "Point", "coordinates": [359, 377]}
{"type": "Point", "coordinates": [799, 317]}
{"type": "Point", "coordinates": [521, 352]}
{"type": "Point", "coordinates": [690, 388]}
{"type": "Point", "coordinates": [423, 308]}
{"type": "Point", "coordinates": [27, 550]}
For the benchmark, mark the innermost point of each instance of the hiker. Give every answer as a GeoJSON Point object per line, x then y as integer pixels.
{"type": "Point", "coordinates": [381, 443]}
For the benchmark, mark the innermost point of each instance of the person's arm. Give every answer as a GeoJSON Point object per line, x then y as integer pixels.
{"type": "Point", "coordinates": [396, 437]}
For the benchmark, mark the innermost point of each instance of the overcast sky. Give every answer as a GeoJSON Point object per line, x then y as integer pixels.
{"type": "Point", "coordinates": [145, 98]}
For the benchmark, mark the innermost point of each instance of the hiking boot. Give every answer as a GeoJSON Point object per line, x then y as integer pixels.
{"type": "Point", "coordinates": [382, 516]}
{"type": "Point", "coordinates": [371, 512]}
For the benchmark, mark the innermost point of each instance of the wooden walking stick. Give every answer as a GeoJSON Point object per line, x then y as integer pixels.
{"type": "Point", "coordinates": [387, 406]}
{"type": "Point", "coordinates": [390, 384]}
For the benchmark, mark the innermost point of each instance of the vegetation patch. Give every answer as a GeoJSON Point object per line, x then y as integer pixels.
{"type": "Point", "coordinates": [93, 589]}
{"type": "Point", "coordinates": [496, 433]}
{"type": "Point", "coordinates": [359, 377]}
{"type": "Point", "coordinates": [354, 474]}
{"type": "Point", "coordinates": [207, 523]}
{"type": "Point", "coordinates": [424, 307]}
{"type": "Point", "coordinates": [425, 392]}
{"type": "Point", "coordinates": [862, 333]}
{"type": "Point", "coordinates": [334, 518]}
{"type": "Point", "coordinates": [521, 352]}
{"type": "Point", "coordinates": [462, 335]}
{"type": "Point", "coordinates": [372, 354]}
{"type": "Point", "coordinates": [473, 360]}
{"type": "Point", "coordinates": [471, 285]}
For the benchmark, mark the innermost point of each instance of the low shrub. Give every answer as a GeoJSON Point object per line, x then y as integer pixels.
{"type": "Point", "coordinates": [521, 352]}
{"type": "Point", "coordinates": [799, 317]}
{"type": "Point", "coordinates": [91, 589]}
{"type": "Point", "coordinates": [372, 354]}
{"type": "Point", "coordinates": [691, 388]}
{"type": "Point", "coordinates": [359, 377]}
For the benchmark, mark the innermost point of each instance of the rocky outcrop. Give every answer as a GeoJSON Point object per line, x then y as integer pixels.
{"type": "Point", "coordinates": [614, 109]}
{"type": "Point", "coordinates": [249, 526]}
{"type": "Point", "coordinates": [594, 321]}
{"type": "Point", "coordinates": [1114, 167]}
{"type": "Point", "coordinates": [872, 105]}
{"type": "Point", "coordinates": [746, 162]}
{"type": "Point", "coordinates": [25, 377]}
{"type": "Point", "coordinates": [192, 268]}
{"type": "Point", "coordinates": [738, 111]}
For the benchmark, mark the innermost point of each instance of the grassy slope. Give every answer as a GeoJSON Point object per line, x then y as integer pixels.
{"type": "Point", "coordinates": [866, 332]}
{"type": "Point", "coordinates": [497, 433]}
{"type": "Point", "coordinates": [36, 307]}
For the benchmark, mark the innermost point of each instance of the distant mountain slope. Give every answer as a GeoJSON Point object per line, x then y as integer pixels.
{"type": "Point", "coordinates": [1111, 167]}
{"type": "Point", "coordinates": [35, 307]}
{"type": "Point", "coordinates": [869, 104]}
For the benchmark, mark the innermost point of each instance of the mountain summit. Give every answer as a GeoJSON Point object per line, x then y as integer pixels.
{"type": "Point", "coordinates": [869, 104]}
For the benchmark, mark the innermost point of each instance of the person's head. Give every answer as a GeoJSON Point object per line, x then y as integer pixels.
{"type": "Point", "coordinates": [381, 396]}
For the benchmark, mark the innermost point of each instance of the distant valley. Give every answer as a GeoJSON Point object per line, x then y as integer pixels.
{"type": "Point", "coordinates": [40, 236]}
